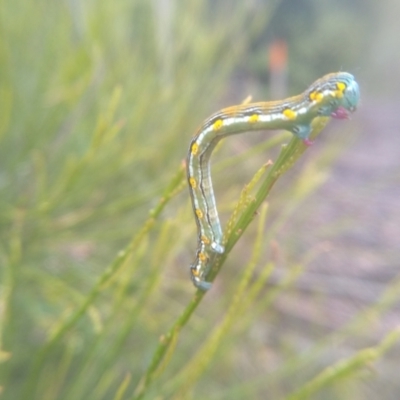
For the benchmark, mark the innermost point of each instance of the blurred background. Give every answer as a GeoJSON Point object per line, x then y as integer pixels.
{"type": "Point", "coordinates": [98, 102]}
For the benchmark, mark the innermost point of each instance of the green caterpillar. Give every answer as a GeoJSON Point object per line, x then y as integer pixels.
{"type": "Point", "coordinates": [335, 95]}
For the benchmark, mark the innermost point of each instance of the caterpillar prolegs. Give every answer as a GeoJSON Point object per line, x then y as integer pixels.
{"type": "Point", "coordinates": [335, 95]}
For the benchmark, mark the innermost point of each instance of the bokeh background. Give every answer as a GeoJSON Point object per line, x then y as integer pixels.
{"type": "Point", "coordinates": [98, 102]}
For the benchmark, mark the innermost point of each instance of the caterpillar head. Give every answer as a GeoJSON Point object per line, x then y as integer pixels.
{"type": "Point", "coordinates": [338, 95]}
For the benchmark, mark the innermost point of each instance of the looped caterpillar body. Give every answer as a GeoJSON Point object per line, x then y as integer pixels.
{"type": "Point", "coordinates": [335, 95]}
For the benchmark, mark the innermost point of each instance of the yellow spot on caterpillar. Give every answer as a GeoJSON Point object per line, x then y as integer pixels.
{"type": "Point", "coordinates": [195, 148]}
{"type": "Point", "coordinates": [341, 86]}
{"type": "Point", "coordinates": [199, 213]}
{"type": "Point", "coordinates": [205, 240]}
{"type": "Point", "coordinates": [202, 257]}
{"type": "Point", "coordinates": [195, 272]}
{"type": "Point", "coordinates": [290, 114]}
{"type": "Point", "coordinates": [218, 124]}
{"type": "Point", "coordinates": [193, 183]}
{"type": "Point", "coordinates": [316, 96]}
{"type": "Point", "coordinates": [339, 93]}
{"type": "Point", "coordinates": [254, 118]}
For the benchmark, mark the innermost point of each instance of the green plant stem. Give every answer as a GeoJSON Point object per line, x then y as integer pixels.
{"type": "Point", "coordinates": [288, 156]}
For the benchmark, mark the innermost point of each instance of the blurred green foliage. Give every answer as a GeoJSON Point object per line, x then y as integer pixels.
{"type": "Point", "coordinates": [98, 101]}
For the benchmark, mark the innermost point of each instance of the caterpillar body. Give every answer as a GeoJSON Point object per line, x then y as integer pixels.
{"type": "Point", "coordinates": [335, 95]}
